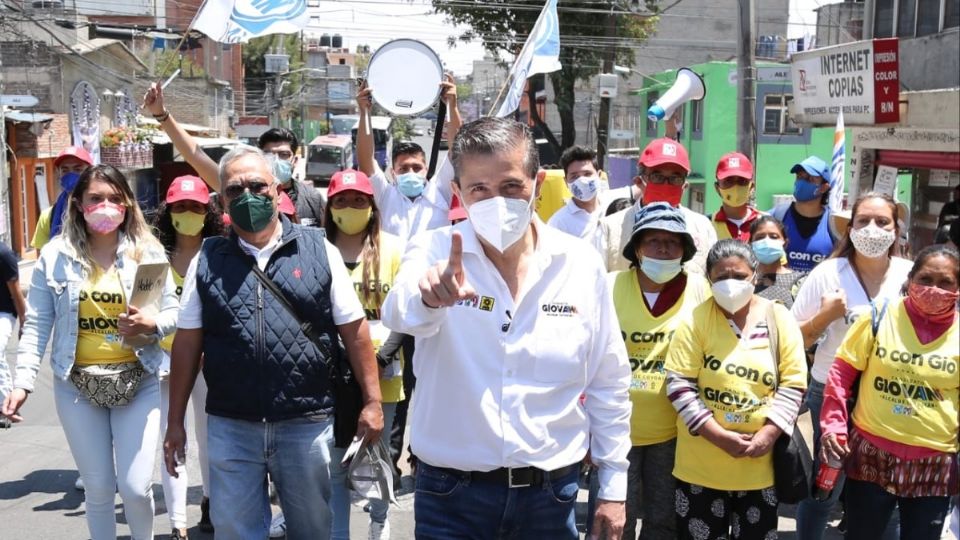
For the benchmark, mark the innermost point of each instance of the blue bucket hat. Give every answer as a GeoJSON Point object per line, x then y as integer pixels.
{"type": "Point", "coordinates": [814, 167]}
{"type": "Point", "coordinates": [659, 216]}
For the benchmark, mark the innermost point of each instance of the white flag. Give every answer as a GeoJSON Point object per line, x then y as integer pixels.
{"type": "Point", "coordinates": [540, 54]}
{"type": "Point", "coordinates": [237, 21]}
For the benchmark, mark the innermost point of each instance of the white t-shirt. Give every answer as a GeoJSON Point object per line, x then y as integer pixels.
{"type": "Point", "coordinates": [837, 274]}
{"type": "Point", "coordinates": [576, 221]}
{"type": "Point", "coordinates": [343, 299]}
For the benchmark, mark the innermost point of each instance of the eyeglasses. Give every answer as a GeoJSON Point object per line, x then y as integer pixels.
{"type": "Point", "coordinates": [360, 202]}
{"type": "Point", "coordinates": [731, 181]}
{"type": "Point", "coordinates": [282, 154]}
{"type": "Point", "coordinates": [673, 180]}
{"type": "Point", "coordinates": [236, 189]}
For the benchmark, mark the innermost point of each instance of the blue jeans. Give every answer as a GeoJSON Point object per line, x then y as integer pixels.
{"type": "Point", "coordinates": [295, 453]}
{"type": "Point", "coordinates": [340, 498]}
{"type": "Point", "coordinates": [449, 506]}
{"type": "Point", "coordinates": [812, 515]}
{"type": "Point", "coordinates": [869, 508]}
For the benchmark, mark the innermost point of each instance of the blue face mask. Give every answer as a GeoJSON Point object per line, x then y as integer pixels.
{"type": "Point", "coordinates": [804, 191]}
{"type": "Point", "coordinates": [768, 250]}
{"type": "Point", "coordinates": [282, 170]}
{"type": "Point", "coordinates": [68, 181]}
{"type": "Point", "coordinates": [411, 184]}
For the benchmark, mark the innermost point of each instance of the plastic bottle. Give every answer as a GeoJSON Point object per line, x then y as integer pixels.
{"type": "Point", "coordinates": [828, 474]}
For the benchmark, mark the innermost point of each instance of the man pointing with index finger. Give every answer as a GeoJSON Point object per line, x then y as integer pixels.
{"type": "Point", "coordinates": [514, 322]}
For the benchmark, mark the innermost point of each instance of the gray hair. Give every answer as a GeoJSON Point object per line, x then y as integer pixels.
{"type": "Point", "coordinates": [237, 152]}
{"type": "Point", "coordinates": [724, 249]}
{"type": "Point", "coordinates": [492, 136]}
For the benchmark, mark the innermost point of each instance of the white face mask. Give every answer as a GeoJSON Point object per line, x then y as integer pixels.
{"type": "Point", "coordinates": [584, 188]}
{"type": "Point", "coordinates": [501, 221]}
{"type": "Point", "coordinates": [872, 241]}
{"type": "Point", "coordinates": [732, 294]}
{"type": "Point", "coordinates": [660, 270]}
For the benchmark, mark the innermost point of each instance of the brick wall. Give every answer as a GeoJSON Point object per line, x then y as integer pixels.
{"type": "Point", "coordinates": [53, 139]}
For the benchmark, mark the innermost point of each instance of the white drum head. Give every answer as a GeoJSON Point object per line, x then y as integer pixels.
{"type": "Point", "coordinates": [404, 76]}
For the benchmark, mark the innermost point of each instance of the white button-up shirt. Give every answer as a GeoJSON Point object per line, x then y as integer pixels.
{"type": "Point", "coordinates": [404, 217]}
{"type": "Point", "coordinates": [499, 380]}
{"type": "Point", "coordinates": [576, 221]}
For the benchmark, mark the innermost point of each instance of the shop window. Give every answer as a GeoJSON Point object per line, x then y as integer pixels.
{"type": "Point", "coordinates": [907, 18]}
{"type": "Point", "coordinates": [928, 17]}
{"type": "Point", "coordinates": [883, 19]}
{"type": "Point", "coordinates": [776, 115]}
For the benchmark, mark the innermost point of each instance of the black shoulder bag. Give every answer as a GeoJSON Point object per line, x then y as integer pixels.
{"type": "Point", "coordinates": [347, 397]}
{"type": "Point", "coordinates": [792, 461]}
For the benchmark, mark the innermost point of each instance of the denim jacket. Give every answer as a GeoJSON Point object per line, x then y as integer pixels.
{"type": "Point", "coordinates": [53, 304]}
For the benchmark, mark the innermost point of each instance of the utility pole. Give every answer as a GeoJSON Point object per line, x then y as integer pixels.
{"type": "Point", "coordinates": [746, 98]}
{"type": "Point", "coordinates": [603, 122]}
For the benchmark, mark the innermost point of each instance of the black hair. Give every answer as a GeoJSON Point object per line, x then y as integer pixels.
{"type": "Point", "coordinates": [617, 205]}
{"type": "Point", "coordinates": [767, 218]}
{"type": "Point", "coordinates": [578, 153]}
{"type": "Point", "coordinates": [929, 252]}
{"type": "Point", "coordinates": [943, 233]}
{"type": "Point", "coordinates": [165, 232]}
{"type": "Point", "coordinates": [955, 233]}
{"type": "Point", "coordinates": [405, 148]}
{"type": "Point", "coordinates": [279, 135]}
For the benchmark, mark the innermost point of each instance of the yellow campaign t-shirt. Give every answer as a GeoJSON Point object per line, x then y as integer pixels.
{"type": "Point", "coordinates": [908, 391]}
{"type": "Point", "coordinates": [41, 235]}
{"type": "Point", "coordinates": [653, 420]}
{"type": "Point", "coordinates": [390, 254]}
{"type": "Point", "coordinates": [736, 381]}
{"type": "Point", "coordinates": [102, 300]}
{"type": "Point", "coordinates": [167, 342]}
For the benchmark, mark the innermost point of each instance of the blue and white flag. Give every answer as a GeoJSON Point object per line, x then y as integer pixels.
{"type": "Point", "coordinates": [237, 21]}
{"type": "Point", "coordinates": [837, 167]}
{"type": "Point", "coordinates": [540, 54]}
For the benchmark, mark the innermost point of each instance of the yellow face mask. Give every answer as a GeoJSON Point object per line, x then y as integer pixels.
{"type": "Point", "coordinates": [351, 220]}
{"type": "Point", "coordinates": [188, 223]}
{"type": "Point", "coordinates": [736, 195]}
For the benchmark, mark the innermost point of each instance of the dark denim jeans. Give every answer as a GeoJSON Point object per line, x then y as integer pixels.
{"type": "Point", "coordinates": [869, 508]}
{"type": "Point", "coordinates": [450, 506]}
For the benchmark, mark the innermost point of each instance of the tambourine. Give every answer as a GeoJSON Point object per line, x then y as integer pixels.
{"type": "Point", "coordinates": [404, 76]}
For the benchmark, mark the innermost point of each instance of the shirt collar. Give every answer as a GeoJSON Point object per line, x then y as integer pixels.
{"type": "Point", "coordinates": [752, 213]}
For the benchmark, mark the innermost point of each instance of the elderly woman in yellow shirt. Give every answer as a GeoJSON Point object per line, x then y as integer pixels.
{"type": "Point", "coordinates": [734, 397]}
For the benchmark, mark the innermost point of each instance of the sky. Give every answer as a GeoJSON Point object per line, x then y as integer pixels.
{"type": "Point", "coordinates": [374, 22]}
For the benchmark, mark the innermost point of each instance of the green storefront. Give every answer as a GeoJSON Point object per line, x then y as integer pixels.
{"type": "Point", "coordinates": [709, 130]}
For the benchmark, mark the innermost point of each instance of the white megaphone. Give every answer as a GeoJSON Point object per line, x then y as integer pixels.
{"type": "Point", "coordinates": [688, 87]}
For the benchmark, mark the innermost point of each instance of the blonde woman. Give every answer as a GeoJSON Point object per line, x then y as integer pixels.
{"type": "Point", "coordinates": [106, 393]}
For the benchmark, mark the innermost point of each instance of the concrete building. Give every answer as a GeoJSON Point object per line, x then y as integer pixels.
{"type": "Point", "coordinates": [839, 23]}
{"type": "Point", "coordinates": [710, 130]}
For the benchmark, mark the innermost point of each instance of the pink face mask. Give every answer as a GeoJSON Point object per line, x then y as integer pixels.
{"type": "Point", "coordinates": [932, 301]}
{"type": "Point", "coordinates": [104, 217]}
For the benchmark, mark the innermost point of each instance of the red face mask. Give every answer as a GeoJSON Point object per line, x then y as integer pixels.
{"type": "Point", "coordinates": [662, 193]}
{"type": "Point", "coordinates": [932, 301]}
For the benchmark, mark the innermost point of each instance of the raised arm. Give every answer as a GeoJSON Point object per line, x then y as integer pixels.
{"type": "Point", "coordinates": [183, 141]}
{"type": "Point", "coordinates": [365, 159]}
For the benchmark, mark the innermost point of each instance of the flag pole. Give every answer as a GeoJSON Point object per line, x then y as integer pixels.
{"type": "Point", "coordinates": [183, 38]}
{"type": "Point", "coordinates": [503, 87]}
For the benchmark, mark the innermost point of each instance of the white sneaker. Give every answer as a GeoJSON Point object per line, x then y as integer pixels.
{"type": "Point", "coordinates": [379, 531]}
{"type": "Point", "coordinates": [78, 485]}
{"type": "Point", "coordinates": [278, 526]}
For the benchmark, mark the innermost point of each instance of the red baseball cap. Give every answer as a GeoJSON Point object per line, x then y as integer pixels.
{"type": "Point", "coordinates": [734, 164]}
{"type": "Point", "coordinates": [75, 152]}
{"type": "Point", "coordinates": [349, 180]}
{"type": "Point", "coordinates": [188, 188]}
{"type": "Point", "coordinates": [457, 211]}
{"type": "Point", "coordinates": [665, 150]}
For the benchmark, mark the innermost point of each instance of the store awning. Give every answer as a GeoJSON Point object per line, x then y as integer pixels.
{"type": "Point", "coordinates": [905, 159]}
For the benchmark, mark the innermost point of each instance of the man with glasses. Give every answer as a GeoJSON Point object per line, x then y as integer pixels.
{"type": "Point", "coordinates": [734, 183]}
{"type": "Point", "coordinates": [664, 167]}
{"type": "Point", "coordinates": [69, 165]}
{"type": "Point", "coordinates": [807, 219]}
{"type": "Point", "coordinates": [270, 398]}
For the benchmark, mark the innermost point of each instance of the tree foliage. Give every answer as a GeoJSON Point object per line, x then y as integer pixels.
{"type": "Point", "coordinates": [503, 26]}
